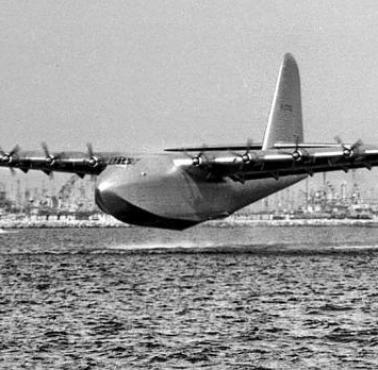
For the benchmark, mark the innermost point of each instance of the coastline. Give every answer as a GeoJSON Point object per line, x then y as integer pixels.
{"type": "Point", "coordinates": [59, 224]}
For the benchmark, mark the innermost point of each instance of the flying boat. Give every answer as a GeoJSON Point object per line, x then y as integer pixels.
{"type": "Point", "coordinates": [181, 187]}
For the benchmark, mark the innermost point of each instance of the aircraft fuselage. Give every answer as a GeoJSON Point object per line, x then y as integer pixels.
{"type": "Point", "coordinates": [152, 190]}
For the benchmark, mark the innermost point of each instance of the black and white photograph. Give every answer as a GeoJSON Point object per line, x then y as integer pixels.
{"type": "Point", "coordinates": [188, 184]}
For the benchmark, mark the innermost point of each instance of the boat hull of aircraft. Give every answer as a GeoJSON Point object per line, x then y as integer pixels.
{"type": "Point", "coordinates": [153, 191]}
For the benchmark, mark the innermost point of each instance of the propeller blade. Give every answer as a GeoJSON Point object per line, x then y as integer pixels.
{"type": "Point", "coordinates": [45, 149]}
{"type": "Point", "coordinates": [338, 140]}
{"type": "Point", "coordinates": [357, 145]}
{"type": "Point", "coordinates": [51, 159]}
{"type": "Point", "coordinates": [4, 156]}
{"type": "Point", "coordinates": [90, 150]}
{"type": "Point", "coordinates": [92, 159]}
{"type": "Point", "coordinates": [246, 157]}
{"type": "Point", "coordinates": [349, 150]}
{"type": "Point", "coordinates": [296, 137]}
{"type": "Point", "coordinates": [14, 151]}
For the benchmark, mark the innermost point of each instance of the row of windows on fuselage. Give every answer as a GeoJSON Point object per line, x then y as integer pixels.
{"type": "Point", "coordinates": [120, 160]}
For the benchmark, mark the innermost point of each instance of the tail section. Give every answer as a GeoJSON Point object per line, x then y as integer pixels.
{"type": "Point", "coordinates": [285, 119]}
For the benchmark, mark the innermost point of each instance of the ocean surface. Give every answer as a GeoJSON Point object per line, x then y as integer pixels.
{"type": "Point", "coordinates": [206, 298]}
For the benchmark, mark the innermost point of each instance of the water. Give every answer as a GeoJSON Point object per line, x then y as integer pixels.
{"type": "Point", "coordinates": [206, 298]}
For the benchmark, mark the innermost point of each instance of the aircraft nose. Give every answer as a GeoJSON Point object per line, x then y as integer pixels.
{"type": "Point", "coordinates": [106, 197]}
{"type": "Point", "coordinates": [100, 201]}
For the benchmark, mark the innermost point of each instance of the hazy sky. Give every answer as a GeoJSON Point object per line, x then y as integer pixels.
{"type": "Point", "coordinates": [144, 75]}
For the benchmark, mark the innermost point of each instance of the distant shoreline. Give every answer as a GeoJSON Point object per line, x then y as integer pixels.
{"type": "Point", "coordinates": [227, 223]}
{"type": "Point", "coordinates": [56, 224]}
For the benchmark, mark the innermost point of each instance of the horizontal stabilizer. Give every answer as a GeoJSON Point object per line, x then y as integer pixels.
{"type": "Point", "coordinates": [214, 148]}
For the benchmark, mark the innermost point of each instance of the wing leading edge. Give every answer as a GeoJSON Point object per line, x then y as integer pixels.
{"type": "Point", "coordinates": [277, 163]}
{"type": "Point", "coordinates": [80, 163]}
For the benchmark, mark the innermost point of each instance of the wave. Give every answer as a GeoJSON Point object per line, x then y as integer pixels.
{"type": "Point", "coordinates": [356, 247]}
{"type": "Point", "coordinates": [209, 247]}
{"type": "Point", "coordinates": [164, 245]}
{"type": "Point", "coordinates": [188, 247]}
{"type": "Point", "coordinates": [2, 231]}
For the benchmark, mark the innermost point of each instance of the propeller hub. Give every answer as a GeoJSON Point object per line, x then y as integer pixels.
{"type": "Point", "coordinates": [6, 158]}
{"type": "Point", "coordinates": [246, 157]}
{"type": "Point", "coordinates": [297, 155]}
{"type": "Point", "coordinates": [93, 161]}
{"type": "Point", "coordinates": [50, 160]}
{"type": "Point", "coordinates": [197, 161]}
{"type": "Point", "coordinates": [347, 152]}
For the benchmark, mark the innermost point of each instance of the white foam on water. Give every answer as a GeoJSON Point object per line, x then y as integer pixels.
{"type": "Point", "coordinates": [2, 231]}
{"type": "Point", "coordinates": [354, 246]}
{"type": "Point", "coordinates": [259, 247]}
{"type": "Point", "coordinates": [163, 245]}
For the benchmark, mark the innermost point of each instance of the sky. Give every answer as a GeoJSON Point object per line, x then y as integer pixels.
{"type": "Point", "coordinates": [145, 75]}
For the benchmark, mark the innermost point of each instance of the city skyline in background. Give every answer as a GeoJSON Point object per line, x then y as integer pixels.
{"type": "Point", "coordinates": [76, 195]}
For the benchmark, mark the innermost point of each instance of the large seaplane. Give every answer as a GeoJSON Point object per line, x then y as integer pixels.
{"type": "Point", "coordinates": [182, 187]}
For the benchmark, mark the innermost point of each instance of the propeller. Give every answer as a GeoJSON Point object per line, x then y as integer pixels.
{"type": "Point", "coordinates": [246, 157]}
{"type": "Point", "coordinates": [349, 150]}
{"type": "Point", "coordinates": [298, 154]}
{"type": "Point", "coordinates": [8, 157]}
{"type": "Point", "coordinates": [199, 159]}
{"type": "Point", "coordinates": [92, 160]}
{"type": "Point", "coordinates": [50, 158]}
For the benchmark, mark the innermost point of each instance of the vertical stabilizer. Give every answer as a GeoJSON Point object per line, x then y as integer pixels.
{"type": "Point", "coordinates": [285, 119]}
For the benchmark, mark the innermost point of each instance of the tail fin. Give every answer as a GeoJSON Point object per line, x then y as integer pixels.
{"type": "Point", "coordinates": [285, 119]}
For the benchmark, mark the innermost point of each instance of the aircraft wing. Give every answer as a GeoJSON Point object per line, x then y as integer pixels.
{"type": "Point", "coordinates": [210, 165]}
{"type": "Point", "coordinates": [278, 163]}
{"type": "Point", "coordinates": [81, 163]}
{"type": "Point", "coordinates": [248, 146]}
